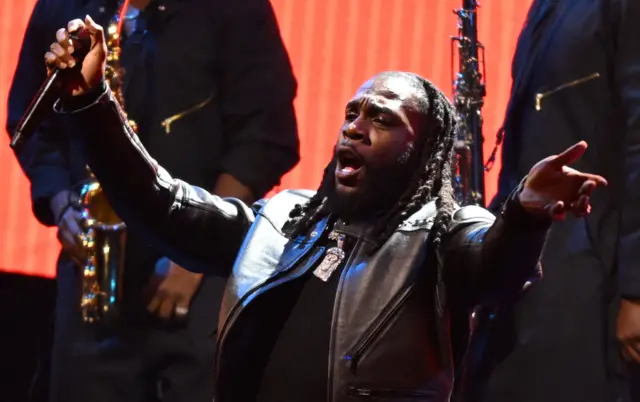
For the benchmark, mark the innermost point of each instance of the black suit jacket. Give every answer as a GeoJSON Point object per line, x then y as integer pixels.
{"type": "Point", "coordinates": [576, 77]}
{"type": "Point", "coordinates": [216, 69]}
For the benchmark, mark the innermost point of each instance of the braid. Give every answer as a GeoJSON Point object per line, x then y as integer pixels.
{"type": "Point", "coordinates": [302, 217]}
{"type": "Point", "coordinates": [432, 179]}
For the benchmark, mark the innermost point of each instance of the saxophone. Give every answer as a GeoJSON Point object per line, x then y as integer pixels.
{"type": "Point", "coordinates": [469, 90]}
{"type": "Point", "coordinates": [104, 238]}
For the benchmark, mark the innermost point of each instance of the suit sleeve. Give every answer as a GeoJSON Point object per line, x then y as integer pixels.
{"type": "Point", "coordinates": [257, 93]}
{"type": "Point", "coordinates": [44, 157]}
{"type": "Point", "coordinates": [627, 76]}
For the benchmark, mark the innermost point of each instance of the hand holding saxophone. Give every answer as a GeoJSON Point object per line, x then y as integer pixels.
{"type": "Point", "coordinates": [69, 222]}
{"type": "Point", "coordinates": [82, 75]}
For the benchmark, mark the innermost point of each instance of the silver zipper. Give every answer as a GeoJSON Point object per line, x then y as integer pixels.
{"type": "Point", "coordinates": [542, 95]}
{"type": "Point", "coordinates": [390, 311]}
{"type": "Point", "coordinates": [359, 392]}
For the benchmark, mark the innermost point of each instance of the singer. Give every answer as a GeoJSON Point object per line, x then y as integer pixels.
{"type": "Point", "coordinates": [343, 292]}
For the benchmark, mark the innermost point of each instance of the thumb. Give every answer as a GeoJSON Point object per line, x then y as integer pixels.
{"type": "Point", "coordinates": [94, 29]}
{"type": "Point", "coordinates": [570, 155]}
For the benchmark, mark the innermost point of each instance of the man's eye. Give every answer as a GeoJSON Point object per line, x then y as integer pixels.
{"type": "Point", "coordinates": [351, 116]}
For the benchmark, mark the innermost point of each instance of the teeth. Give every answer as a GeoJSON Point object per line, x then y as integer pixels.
{"type": "Point", "coordinates": [347, 169]}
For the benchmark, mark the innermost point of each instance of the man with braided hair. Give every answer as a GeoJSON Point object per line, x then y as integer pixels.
{"type": "Point", "coordinates": [346, 292]}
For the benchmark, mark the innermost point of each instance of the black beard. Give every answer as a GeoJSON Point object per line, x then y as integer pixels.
{"type": "Point", "coordinates": [382, 188]}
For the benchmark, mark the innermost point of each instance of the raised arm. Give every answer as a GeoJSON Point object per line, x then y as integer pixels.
{"type": "Point", "coordinates": [193, 227]}
{"type": "Point", "coordinates": [489, 263]}
{"type": "Point", "coordinates": [183, 221]}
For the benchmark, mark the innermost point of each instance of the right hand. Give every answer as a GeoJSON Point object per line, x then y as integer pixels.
{"type": "Point", "coordinates": [60, 56]}
{"type": "Point", "coordinates": [69, 226]}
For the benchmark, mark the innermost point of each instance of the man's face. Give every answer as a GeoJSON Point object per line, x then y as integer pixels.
{"type": "Point", "coordinates": [380, 126]}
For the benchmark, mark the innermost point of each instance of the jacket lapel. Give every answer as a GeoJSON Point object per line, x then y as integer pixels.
{"type": "Point", "coordinates": [296, 249]}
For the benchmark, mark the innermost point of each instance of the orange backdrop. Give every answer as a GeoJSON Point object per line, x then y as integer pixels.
{"type": "Point", "coordinates": [334, 45]}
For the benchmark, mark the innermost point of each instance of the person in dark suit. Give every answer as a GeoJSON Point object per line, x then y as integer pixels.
{"type": "Point", "coordinates": [576, 74]}
{"type": "Point", "coordinates": [210, 85]}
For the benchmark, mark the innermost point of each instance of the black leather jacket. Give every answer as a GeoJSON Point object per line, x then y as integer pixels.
{"type": "Point", "coordinates": [390, 330]}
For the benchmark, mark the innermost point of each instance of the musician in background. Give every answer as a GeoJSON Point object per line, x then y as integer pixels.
{"type": "Point", "coordinates": [211, 88]}
{"type": "Point", "coordinates": [576, 75]}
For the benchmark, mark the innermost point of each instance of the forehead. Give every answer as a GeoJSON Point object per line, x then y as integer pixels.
{"type": "Point", "coordinates": [385, 89]}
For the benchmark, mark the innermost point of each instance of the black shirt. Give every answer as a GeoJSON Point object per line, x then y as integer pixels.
{"type": "Point", "coordinates": [298, 366]}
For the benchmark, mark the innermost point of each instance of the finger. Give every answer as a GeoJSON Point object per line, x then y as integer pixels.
{"type": "Point", "coordinates": [75, 25]}
{"type": "Point", "coordinates": [154, 304]}
{"type": "Point", "coordinates": [625, 354]}
{"type": "Point", "coordinates": [582, 207]}
{"type": "Point", "coordinates": [587, 188]}
{"type": "Point", "coordinates": [64, 59]}
{"type": "Point", "coordinates": [58, 51]}
{"type": "Point", "coordinates": [62, 36]}
{"type": "Point", "coordinates": [92, 26]}
{"type": "Point", "coordinates": [50, 59]}
{"type": "Point", "coordinates": [70, 245]}
{"type": "Point", "coordinates": [578, 175]}
{"type": "Point", "coordinates": [181, 312]}
{"type": "Point", "coordinates": [556, 208]}
{"type": "Point", "coordinates": [570, 155]}
{"type": "Point", "coordinates": [72, 224]}
{"type": "Point", "coordinates": [167, 308]}
{"type": "Point", "coordinates": [632, 353]}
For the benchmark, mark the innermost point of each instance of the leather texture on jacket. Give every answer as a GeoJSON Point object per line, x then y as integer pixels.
{"type": "Point", "coordinates": [390, 334]}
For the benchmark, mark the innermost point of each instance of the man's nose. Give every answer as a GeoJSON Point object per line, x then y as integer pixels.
{"type": "Point", "coordinates": [355, 131]}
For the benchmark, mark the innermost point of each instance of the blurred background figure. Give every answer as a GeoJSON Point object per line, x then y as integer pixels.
{"type": "Point", "coordinates": [217, 112]}
{"type": "Point", "coordinates": [576, 75]}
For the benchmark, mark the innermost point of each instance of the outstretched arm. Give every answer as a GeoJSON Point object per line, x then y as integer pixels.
{"type": "Point", "coordinates": [490, 263]}
{"type": "Point", "coordinates": [488, 260]}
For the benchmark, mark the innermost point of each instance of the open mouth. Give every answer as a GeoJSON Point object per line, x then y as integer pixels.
{"type": "Point", "coordinates": [349, 165]}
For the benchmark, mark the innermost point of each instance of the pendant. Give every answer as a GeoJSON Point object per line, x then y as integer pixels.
{"type": "Point", "coordinates": [330, 263]}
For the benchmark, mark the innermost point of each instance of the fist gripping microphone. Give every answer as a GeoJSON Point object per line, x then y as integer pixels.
{"type": "Point", "coordinates": [42, 103]}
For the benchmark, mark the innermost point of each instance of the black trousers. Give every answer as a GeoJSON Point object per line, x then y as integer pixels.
{"type": "Point", "coordinates": [141, 360]}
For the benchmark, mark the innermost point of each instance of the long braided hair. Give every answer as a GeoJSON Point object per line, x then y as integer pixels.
{"type": "Point", "coordinates": [432, 178]}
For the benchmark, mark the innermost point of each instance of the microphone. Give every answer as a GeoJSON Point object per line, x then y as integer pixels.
{"type": "Point", "coordinates": [41, 105]}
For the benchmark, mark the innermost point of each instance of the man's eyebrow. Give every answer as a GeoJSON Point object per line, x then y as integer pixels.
{"type": "Point", "coordinates": [370, 106]}
{"type": "Point", "coordinates": [388, 94]}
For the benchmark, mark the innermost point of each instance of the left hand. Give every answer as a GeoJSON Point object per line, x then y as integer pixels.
{"type": "Point", "coordinates": [173, 291]}
{"type": "Point", "coordinates": [552, 188]}
{"type": "Point", "coordinates": [628, 329]}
